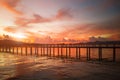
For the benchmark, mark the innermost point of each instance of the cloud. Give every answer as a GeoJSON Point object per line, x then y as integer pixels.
{"type": "Point", "coordinates": [39, 19]}
{"type": "Point", "coordinates": [10, 29]}
{"type": "Point", "coordinates": [10, 5]}
{"type": "Point", "coordinates": [22, 22]}
{"type": "Point", "coordinates": [62, 14]}
{"type": "Point", "coordinates": [36, 19]}
{"type": "Point", "coordinates": [109, 27]}
{"type": "Point", "coordinates": [115, 37]}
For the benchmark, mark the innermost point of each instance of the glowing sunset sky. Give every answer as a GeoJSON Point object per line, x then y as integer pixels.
{"type": "Point", "coordinates": [43, 20]}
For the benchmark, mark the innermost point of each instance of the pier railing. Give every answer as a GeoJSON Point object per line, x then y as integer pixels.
{"type": "Point", "coordinates": [49, 49]}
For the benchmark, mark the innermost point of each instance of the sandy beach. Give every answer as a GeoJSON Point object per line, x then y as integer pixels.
{"type": "Point", "coordinates": [15, 67]}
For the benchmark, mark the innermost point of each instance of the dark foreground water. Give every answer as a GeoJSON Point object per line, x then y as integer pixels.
{"type": "Point", "coordinates": [16, 67]}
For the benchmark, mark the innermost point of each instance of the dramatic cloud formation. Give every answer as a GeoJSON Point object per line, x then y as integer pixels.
{"type": "Point", "coordinates": [10, 5]}
{"type": "Point", "coordinates": [62, 14]}
{"type": "Point", "coordinates": [36, 19]}
{"type": "Point", "coordinates": [49, 20]}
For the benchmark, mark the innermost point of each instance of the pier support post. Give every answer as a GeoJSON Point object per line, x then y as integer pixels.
{"type": "Point", "coordinates": [21, 51]}
{"type": "Point", "coordinates": [79, 53]}
{"type": "Point", "coordinates": [100, 54]}
{"type": "Point", "coordinates": [9, 49]}
{"type": "Point", "coordinates": [47, 50]}
{"type": "Point", "coordinates": [114, 54]}
{"type": "Point", "coordinates": [50, 51]}
{"type": "Point", "coordinates": [3, 49]}
{"type": "Point", "coordinates": [0, 48]}
{"type": "Point", "coordinates": [26, 50]}
{"type": "Point", "coordinates": [69, 52]}
{"type": "Point", "coordinates": [66, 52]}
{"type": "Point", "coordinates": [58, 52]}
{"type": "Point", "coordinates": [31, 51]}
{"type": "Point", "coordinates": [41, 50]}
{"type": "Point", "coordinates": [61, 52]}
{"type": "Point", "coordinates": [6, 49]}
{"type": "Point", "coordinates": [37, 51]}
{"type": "Point", "coordinates": [17, 50]}
{"type": "Point", "coordinates": [53, 51]}
{"type": "Point", "coordinates": [13, 50]}
{"type": "Point", "coordinates": [76, 53]}
{"type": "Point", "coordinates": [88, 53]}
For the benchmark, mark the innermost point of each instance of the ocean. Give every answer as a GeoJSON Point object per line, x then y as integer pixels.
{"type": "Point", "coordinates": [22, 67]}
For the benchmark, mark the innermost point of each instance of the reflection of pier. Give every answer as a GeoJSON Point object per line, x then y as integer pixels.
{"type": "Point", "coordinates": [49, 49]}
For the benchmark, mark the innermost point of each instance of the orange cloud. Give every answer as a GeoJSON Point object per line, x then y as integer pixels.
{"type": "Point", "coordinates": [115, 36]}
{"type": "Point", "coordinates": [10, 6]}
{"type": "Point", "coordinates": [9, 29]}
{"type": "Point", "coordinates": [63, 14]}
{"type": "Point", "coordinates": [84, 31]}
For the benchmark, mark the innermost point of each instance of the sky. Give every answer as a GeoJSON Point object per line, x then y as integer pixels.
{"type": "Point", "coordinates": [55, 20]}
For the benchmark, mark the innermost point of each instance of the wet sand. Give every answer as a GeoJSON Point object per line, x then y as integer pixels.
{"type": "Point", "coordinates": [13, 67]}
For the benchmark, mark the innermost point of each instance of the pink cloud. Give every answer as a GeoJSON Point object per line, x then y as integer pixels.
{"type": "Point", "coordinates": [10, 6]}
{"type": "Point", "coordinates": [62, 14]}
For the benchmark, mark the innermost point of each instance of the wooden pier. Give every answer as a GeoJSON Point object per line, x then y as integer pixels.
{"type": "Point", "coordinates": [13, 47]}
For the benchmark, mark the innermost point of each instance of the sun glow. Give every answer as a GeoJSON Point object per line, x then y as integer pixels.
{"type": "Point", "coordinates": [19, 36]}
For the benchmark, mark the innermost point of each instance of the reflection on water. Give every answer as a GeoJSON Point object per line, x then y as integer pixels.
{"type": "Point", "coordinates": [15, 67]}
